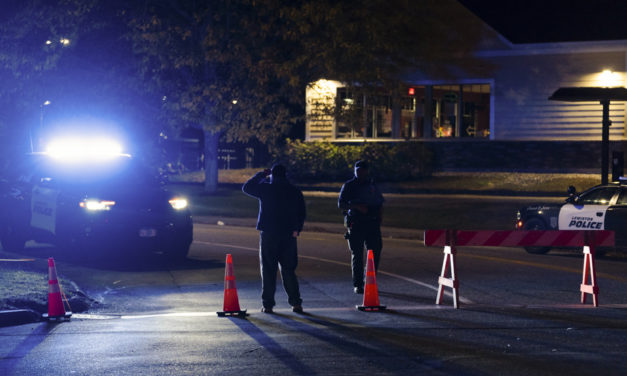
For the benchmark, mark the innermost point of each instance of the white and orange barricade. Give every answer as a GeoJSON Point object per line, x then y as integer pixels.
{"type": "Point", "coordinates": [448, 264]}
{"type": "Point", "coordinates": [451, 239]}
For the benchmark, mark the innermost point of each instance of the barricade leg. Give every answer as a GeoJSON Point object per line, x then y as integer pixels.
{"type": "Point", "coordinates": [589, 271]}
{"type": "Point", "coordinates": [449, 258]}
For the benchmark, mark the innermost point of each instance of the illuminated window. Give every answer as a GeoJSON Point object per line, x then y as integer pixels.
{"type": "Point", "coordinates": [454, 111]}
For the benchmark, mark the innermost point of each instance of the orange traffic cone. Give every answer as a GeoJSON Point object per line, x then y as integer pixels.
{"type": "Point", "coordinates": [231, 302]}
{"type": "Point", "coordinates": [55, 303]}
{"type": "Point", "coordinates": [371, 293]}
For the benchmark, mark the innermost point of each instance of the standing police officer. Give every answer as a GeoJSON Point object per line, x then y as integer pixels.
{"type": "Point", "coordinates": [362, 204]}
{"type": "Point", "coordinates": [281, 219]}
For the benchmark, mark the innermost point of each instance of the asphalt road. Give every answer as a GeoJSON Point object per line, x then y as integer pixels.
{"type": "Point", "coordinates": [520, 315]}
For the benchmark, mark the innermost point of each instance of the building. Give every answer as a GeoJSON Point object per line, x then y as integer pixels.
{"type": "Point", "coordinates": [507, 101]}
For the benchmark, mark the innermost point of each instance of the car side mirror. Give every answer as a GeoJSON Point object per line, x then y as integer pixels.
{"type": "Point", "coordinates": [572, 194]}
{"type": "Point", "coordinates": [572, 199]}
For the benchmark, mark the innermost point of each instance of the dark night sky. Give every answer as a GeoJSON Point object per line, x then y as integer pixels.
{"type": "Point", "coordinates": [534, 21]}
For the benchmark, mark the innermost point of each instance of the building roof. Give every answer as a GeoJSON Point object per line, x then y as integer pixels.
{"type": "Point", "coordinates": [546, 21]}
{"type": "Point", "coordinates": [589, 94]}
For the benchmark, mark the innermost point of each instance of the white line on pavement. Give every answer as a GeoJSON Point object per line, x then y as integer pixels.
{"type": "Point", "coordinates": [83, 316]}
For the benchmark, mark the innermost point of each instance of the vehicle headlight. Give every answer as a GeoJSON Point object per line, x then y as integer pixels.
{"type": "Point", "coordinates": [96, 205]}
{"type": "Point", "coordinates": [178, 203]}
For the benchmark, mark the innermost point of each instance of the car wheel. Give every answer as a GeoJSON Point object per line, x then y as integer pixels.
{"type": "Point", "coordinates": [178, 251]}
{"type": "Point", "coordinates": [13, 240]}
{"type": "Point", "coordinates": [536, 224]}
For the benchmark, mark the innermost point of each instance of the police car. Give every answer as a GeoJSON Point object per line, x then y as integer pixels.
{"type": "Point", "coordinates": [603, 207]}
{"type": "Point", "coordinates": [82, 196]}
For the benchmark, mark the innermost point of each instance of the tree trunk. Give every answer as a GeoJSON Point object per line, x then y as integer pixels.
{"type": "Point", "coordinates": [211, 160]}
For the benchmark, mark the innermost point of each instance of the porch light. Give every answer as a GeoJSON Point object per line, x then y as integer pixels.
{"type": "Point", "coordinates": [608, 78]}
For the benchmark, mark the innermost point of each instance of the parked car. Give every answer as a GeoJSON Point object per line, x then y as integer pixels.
{"type": "Point", "coordinates": [89, 204]}
{"type": "Point", "coordinates": [603, 207]}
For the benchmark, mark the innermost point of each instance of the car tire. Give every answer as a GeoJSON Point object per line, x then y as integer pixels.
{"type": "Point", "coordinates": [532, 225]}
{"type": "Point", "coordinates": [178, 252]}
{"type": "Point", "coordinates": [13, 240]}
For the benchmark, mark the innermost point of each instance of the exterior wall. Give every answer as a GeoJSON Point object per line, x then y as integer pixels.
{"type": "Point", "coordinates": [523, 84]}
{"type": "Point", "coordinates": [520, 156]}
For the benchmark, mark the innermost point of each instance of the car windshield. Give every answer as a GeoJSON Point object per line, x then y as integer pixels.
{"type": "Point", "coordinates": [597, 196]}
{"type": "Point", "coordinates": [122, 173]}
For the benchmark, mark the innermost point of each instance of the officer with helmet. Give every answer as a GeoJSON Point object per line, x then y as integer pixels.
{"type": "Point", "coordinates": [362, 205]}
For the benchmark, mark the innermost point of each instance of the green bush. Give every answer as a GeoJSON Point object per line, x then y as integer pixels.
{"type": "Point", "coordinates": [330, 161]}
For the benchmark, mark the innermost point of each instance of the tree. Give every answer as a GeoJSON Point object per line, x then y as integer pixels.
{"type": "Point", "coordinates": [239, 68]}
{"type": "Point", "coordinates": [211, 64]}
{"type": "Point", "coordinates": [70, 53]}
{"type": "Point", "coordinates": [236, 69]}
{"type": "Point", "coordinates": [34, 35]}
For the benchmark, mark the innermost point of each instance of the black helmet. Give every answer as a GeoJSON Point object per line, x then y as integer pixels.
{"type": "Point", "coordinates": [361, 164]}
{"type": "Point", "coordinates": [278, 170]}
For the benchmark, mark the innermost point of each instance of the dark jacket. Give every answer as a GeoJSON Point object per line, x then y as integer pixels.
{"type": "Point", "coordinates": [355, 192]}
{"type": "Point", "coordinates": [281, 205]}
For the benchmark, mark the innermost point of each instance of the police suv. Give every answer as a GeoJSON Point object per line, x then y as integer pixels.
{"type": "Point", "coordinates": [603, 207]}
{"type": "Point", "coordinates": [91, 200]}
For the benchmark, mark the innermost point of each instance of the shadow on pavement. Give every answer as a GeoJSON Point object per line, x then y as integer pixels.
{"type": "Point", "coordinates": [281, 353]}
{"type": "Point", "coordinates": [34, 339]}
{"type": "Point", "coordinates": [391, 349]}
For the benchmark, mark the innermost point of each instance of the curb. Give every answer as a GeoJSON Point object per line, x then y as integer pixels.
{"type": "Point", "coordinates": [18, 317]}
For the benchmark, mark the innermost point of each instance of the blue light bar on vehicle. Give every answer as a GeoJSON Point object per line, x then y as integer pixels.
{"type": "Point", "coordinates": [79, 150]}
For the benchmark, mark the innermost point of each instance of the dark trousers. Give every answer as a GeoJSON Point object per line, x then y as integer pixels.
{"type": "Point", "coordinates": [278, 251]}
{"type": "Point", "coordinates": [364, 234]}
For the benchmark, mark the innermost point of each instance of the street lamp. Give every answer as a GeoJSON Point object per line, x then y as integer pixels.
{"type": "Point", "coordinates": [609, 78]}
{"type": "Point", "coordinates": [64, 42]}
{"type": "Point", "coordinates": [603, 95]}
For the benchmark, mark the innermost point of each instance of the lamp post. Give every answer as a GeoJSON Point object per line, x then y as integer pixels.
{"type": "Point", "coordinates": [41, 117]}
{"type": "Point", "coordinates": [63, 42]}
{"type": "Point", "coordinates": [603, 95]}
{"type": "Point", "coordinates": [41, 123]}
